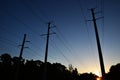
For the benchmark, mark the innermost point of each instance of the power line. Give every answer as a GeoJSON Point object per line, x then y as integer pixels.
{"type": "Point", "coordinates": [43, 13]}
{"type": "Point", "coordinates": [34, 53]}
{"type": "Point", "coordinates": [70, 49]}
{"type": "Point", "coordinates": [8, 40]}
{"type": "Point", "coordinates": [60, 51]}
{"type": "Point", "coordinates": [8, 43]}
{"type": "Point", "coordinates": [9, 32]}
{"type": "Point", "coordinates": [86, 26]}
{"type": "Point", "coordinates": [33, 12]}
{"type": "Point", "coordinates": [102, 14]}
{"type": "Point", "coordinates": [8, 46]}
{"type": "Point", "coordinates": [33, 45]}
{"type": "Point", "coordinates": [20, 21]}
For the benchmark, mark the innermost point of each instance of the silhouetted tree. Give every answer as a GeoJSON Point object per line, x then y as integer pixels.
{"type": "Point", "coordinates": [70, 67]}
{"type": "Point", "coordinates": [73, 71]}
{"type": "Point", "coordinates": [114, 73]}
{"type": "Point", "coordinates": [87, 76]}
{"type": "Point", "coordinates": [6, 59]}
{"type": "Point", "coordinates": [6, 67]}
{"type": "Point", "coordinates": [75, 74]}
{"type": "Point", "coordinates": [15, 60]}
{"type": "Point", "coordinates": [33, 70]}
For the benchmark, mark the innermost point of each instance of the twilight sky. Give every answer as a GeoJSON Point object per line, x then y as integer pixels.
{"type": "Point", "coordinates": [74, 42]}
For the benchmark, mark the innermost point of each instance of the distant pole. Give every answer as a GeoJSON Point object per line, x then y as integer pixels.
{"type": "Point", "coordinates": [47, 42]}
{"type": "Point", "coordinates": [22, 47]}
{"type": "Point", "coordinates": [99, 46]}
{"type": "Point", "coordinates": [20, 58]}
{"type": "Point", "coordinates": [46, 54]}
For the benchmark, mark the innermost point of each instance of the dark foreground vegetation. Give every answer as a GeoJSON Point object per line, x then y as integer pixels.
{"type": "Point", "coordinates": [13, 69]}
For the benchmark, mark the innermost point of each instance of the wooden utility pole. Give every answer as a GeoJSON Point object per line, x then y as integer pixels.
{"type": "Point", "coordinates": [47, 42]}
{"type": "Point", "coordinates": [99, 46]}
{"type": "Point", "coordinates": [20, 58]}
{"type": "Point", "coordinates": [22, 47]}
{"type": "Point", "coordinates": [46, 53]}
{"type": "Point", "coordinates": [46, 50]}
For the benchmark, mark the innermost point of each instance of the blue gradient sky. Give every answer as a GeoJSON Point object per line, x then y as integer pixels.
{"type": "Point", "coordinates": [74, 42]}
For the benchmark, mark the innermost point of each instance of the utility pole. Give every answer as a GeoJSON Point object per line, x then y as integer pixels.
{"type": "Point", "coordinates": [46, 53]}
{"type": "Point", "coordinates": [99, 46]}
{"type": "Point", "coordinates": [46, 50]}
{"type": "Point", "coordinates": [20, 58]}
{"type": "Point", "coordinates": [22, 47]}
{"type": "Point", "coordinates": [47, 42]}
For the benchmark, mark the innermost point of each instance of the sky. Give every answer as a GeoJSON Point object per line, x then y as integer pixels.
{"type": "Point", "coordinates": [74, 42]}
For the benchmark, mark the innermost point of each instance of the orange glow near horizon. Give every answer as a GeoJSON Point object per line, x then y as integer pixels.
{"type": "Point", "coordinates": [97, 73]}
{"type": "Point", "coordinates": [98, 78]}
{"type": "Point", "coordinates": [93, 69]}
{"type": "Point", "coordinates": [90, 70]}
